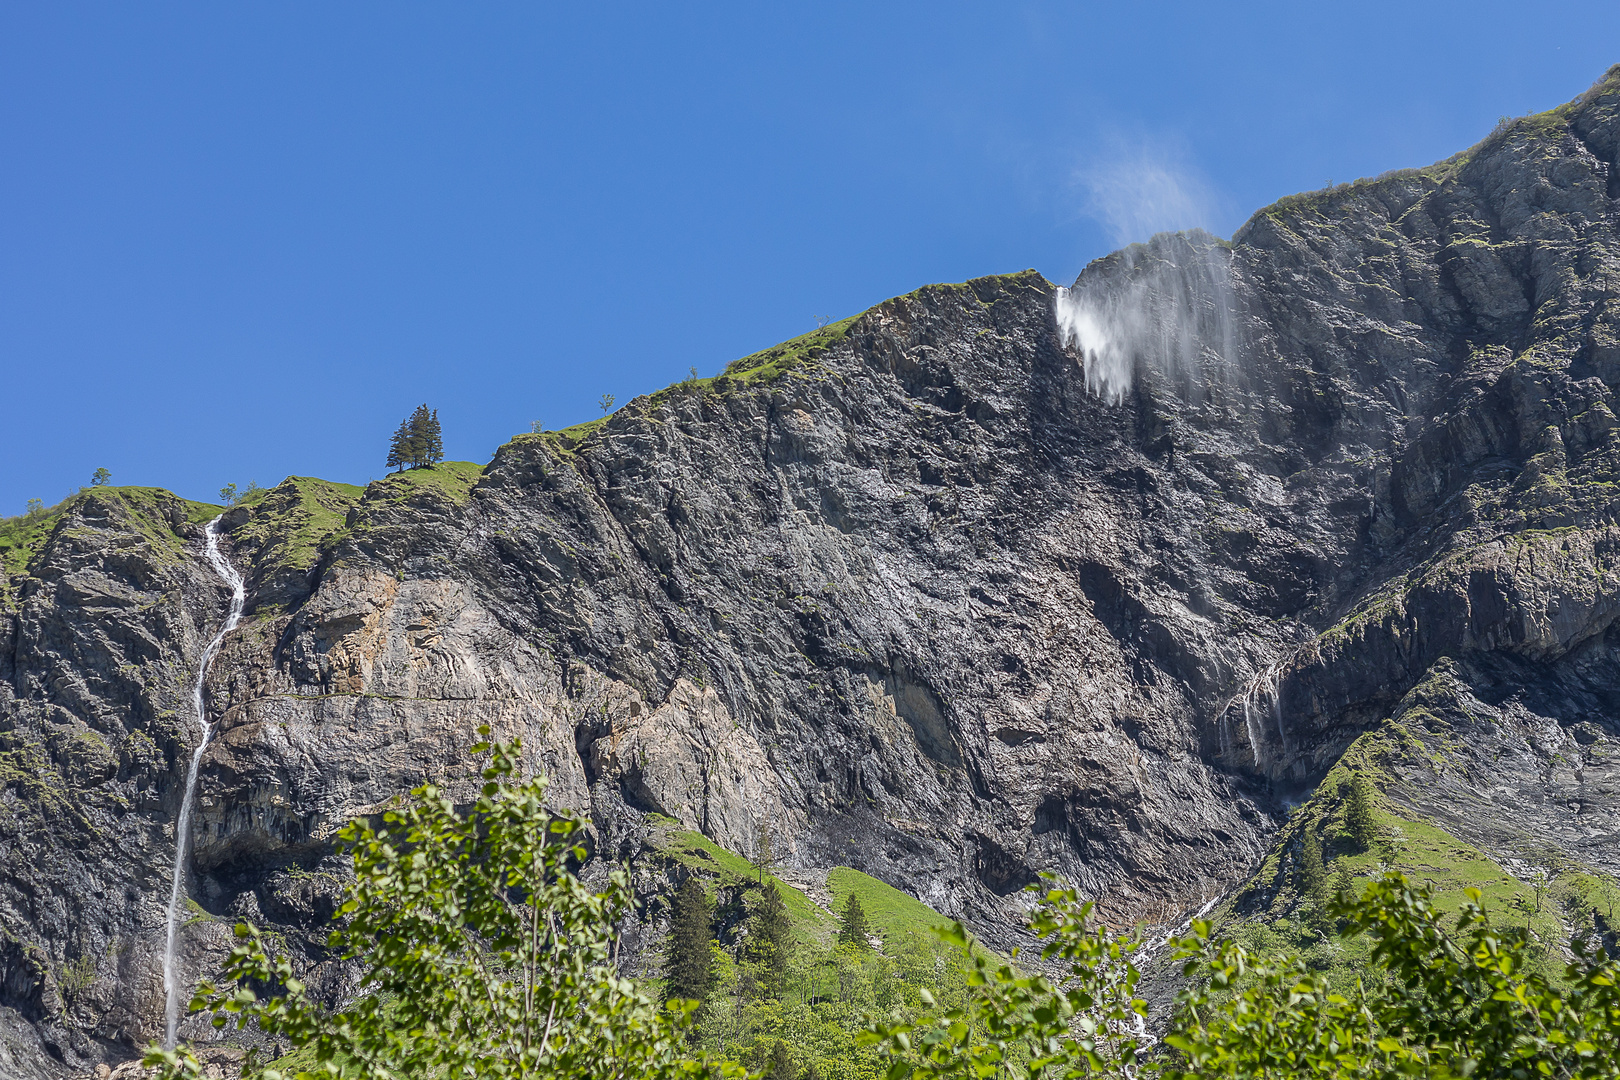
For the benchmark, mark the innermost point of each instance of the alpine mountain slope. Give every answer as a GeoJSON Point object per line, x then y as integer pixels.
{"type": "Point", "coordinates": [927, 593]}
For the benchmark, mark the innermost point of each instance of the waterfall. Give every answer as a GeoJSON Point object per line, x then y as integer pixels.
{"type": "Point", "coordinates": [1262, 695]}
{"type": "Point", "coordinates": [182, 833]}
{"type": "Point", "coordinates": [1167, 304]}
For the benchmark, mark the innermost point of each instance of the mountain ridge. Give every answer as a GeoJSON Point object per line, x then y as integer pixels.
{"type": "Point", "coordinates": [910, 592]}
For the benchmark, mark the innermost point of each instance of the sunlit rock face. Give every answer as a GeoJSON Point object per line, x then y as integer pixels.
{"type": "Point", "coordinates": [931, 594]}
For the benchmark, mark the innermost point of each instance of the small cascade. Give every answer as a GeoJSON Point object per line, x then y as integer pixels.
{"type": "Point", "coordinates": [182, 833]}
{"type": "Point", "coordinates": [1259, 698]}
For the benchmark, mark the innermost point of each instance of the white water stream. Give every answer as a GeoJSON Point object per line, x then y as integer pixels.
{"type": "Point", "coordinates": [182, 832]}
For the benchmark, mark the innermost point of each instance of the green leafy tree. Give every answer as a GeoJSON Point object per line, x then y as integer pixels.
{"type": "Point", "coordinates": [100, 478]}
{"type": "Point", "coordinates": [35, 507]}
{"type": "Point", "coordinates": [770, 942]}
{"type": "Point", "coordinates": [1360, 817]}
{"type": "Point", "coordinates": [1464, 1002]}
{"type": "Point", "coordinates": [1017, 1025]}
{"type": "Point", "coordinates": [688, 962]}
{"type": "Point", "coordinates": [853, 928]}
{"type": "Point", "coordinates": [1458, 997]}
{"type": "Point", "coordinates": [605, 404]}
{"type": "Point", "coordinates": [232, 497]}
{"type": "Point", "coordinates": [483, 955]}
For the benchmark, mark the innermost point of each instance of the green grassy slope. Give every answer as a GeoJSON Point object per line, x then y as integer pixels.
{"type": "Point", "coordinates": [1269, 914]}
{"type": "Point", "coordinates": [892, 914]}
{"type": "Point", "coordinates": [703, 856]}
{"type": "Point", "coordinates": [291, 522]}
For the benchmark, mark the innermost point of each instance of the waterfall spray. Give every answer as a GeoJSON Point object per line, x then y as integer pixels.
{"type": "Point", "coordinates": [1166, 304]}
{"type": "Point", "coordinates": [182, 833]}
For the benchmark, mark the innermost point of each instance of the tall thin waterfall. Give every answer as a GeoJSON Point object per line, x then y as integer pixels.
{"type": "Point", "coordinates": [182, 833]}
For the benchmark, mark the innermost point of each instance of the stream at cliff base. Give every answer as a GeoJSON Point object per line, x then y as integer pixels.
{"type": "Point", "coordinates": [182, 833]}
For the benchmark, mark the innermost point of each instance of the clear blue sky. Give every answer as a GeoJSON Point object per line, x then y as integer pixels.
{"type": "Point", "coordinates": [242, 240]}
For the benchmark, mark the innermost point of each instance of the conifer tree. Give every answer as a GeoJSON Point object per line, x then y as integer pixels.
{"type": "Point", "coordinates": [425, 426]}
{"type": "Point", "coordinates": [399, 447]}
{"type": "Point", "coordinates": [1360, 820]}
{"type": "Point", "coordinates": [770, 942]}
{"type": "Point", "coordinates": [764, 851]}
{"type": "Point", "coordinates": [780, 1065]}
{"type": "Point", "coordinates": [1313, 880]}
{"type": "Point", "coordinates": [854, 930]}
{"type": "Point", "coordinates": [1343, 884]}
{"type": "Point", "coordinates": [419, 440]}
{"type": "Point", "coordinates": [688, 964]}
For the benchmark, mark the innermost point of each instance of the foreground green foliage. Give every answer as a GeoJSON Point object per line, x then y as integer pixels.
{"type": "Point", "coordinates": [1281, 909]}
{"type": "Point", "coordinates": [1463, 1002]}
{"type": "Point", "coordinates": [1013, 1024]}
{"type": "Point", "coordinates": [484, 956]}
{"type": "Point", "coordinates": [806, 1023]}
{"type": "Point", "coordinates": [1441, 1002]}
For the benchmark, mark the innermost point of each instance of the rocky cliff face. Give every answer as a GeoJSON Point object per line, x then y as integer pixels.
{"type": "Point", "coordinates": [908, 591]}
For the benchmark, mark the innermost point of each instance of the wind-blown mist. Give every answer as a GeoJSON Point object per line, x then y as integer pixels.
{"type": "Point", "coordinates": [1166, 304]}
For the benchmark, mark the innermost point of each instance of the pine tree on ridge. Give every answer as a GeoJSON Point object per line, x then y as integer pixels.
{"type": "Point", "coordinates": [418, 442]}
{"type": "Point", "coordinates": [1360, 818]}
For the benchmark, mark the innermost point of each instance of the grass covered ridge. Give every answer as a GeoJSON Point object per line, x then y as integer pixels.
{"type": "Point", "coordinates": [453, 480]}
{"type": "Point", "coordinates": [770, 364]}
{"type": "Point", "coordinates": [292, 522]}
{"type": "Point", "coordinates": [152, 512]}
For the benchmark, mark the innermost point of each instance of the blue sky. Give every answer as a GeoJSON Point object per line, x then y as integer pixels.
{"type": "Point", "coordinates": [241, 241]}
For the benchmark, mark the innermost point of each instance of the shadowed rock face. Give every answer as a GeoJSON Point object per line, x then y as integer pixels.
{"type": "Point", "coordinates": [922, 605]}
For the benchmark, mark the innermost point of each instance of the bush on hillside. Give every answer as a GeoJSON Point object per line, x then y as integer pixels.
{"type": "Point", "coordinates": [483, 955]}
